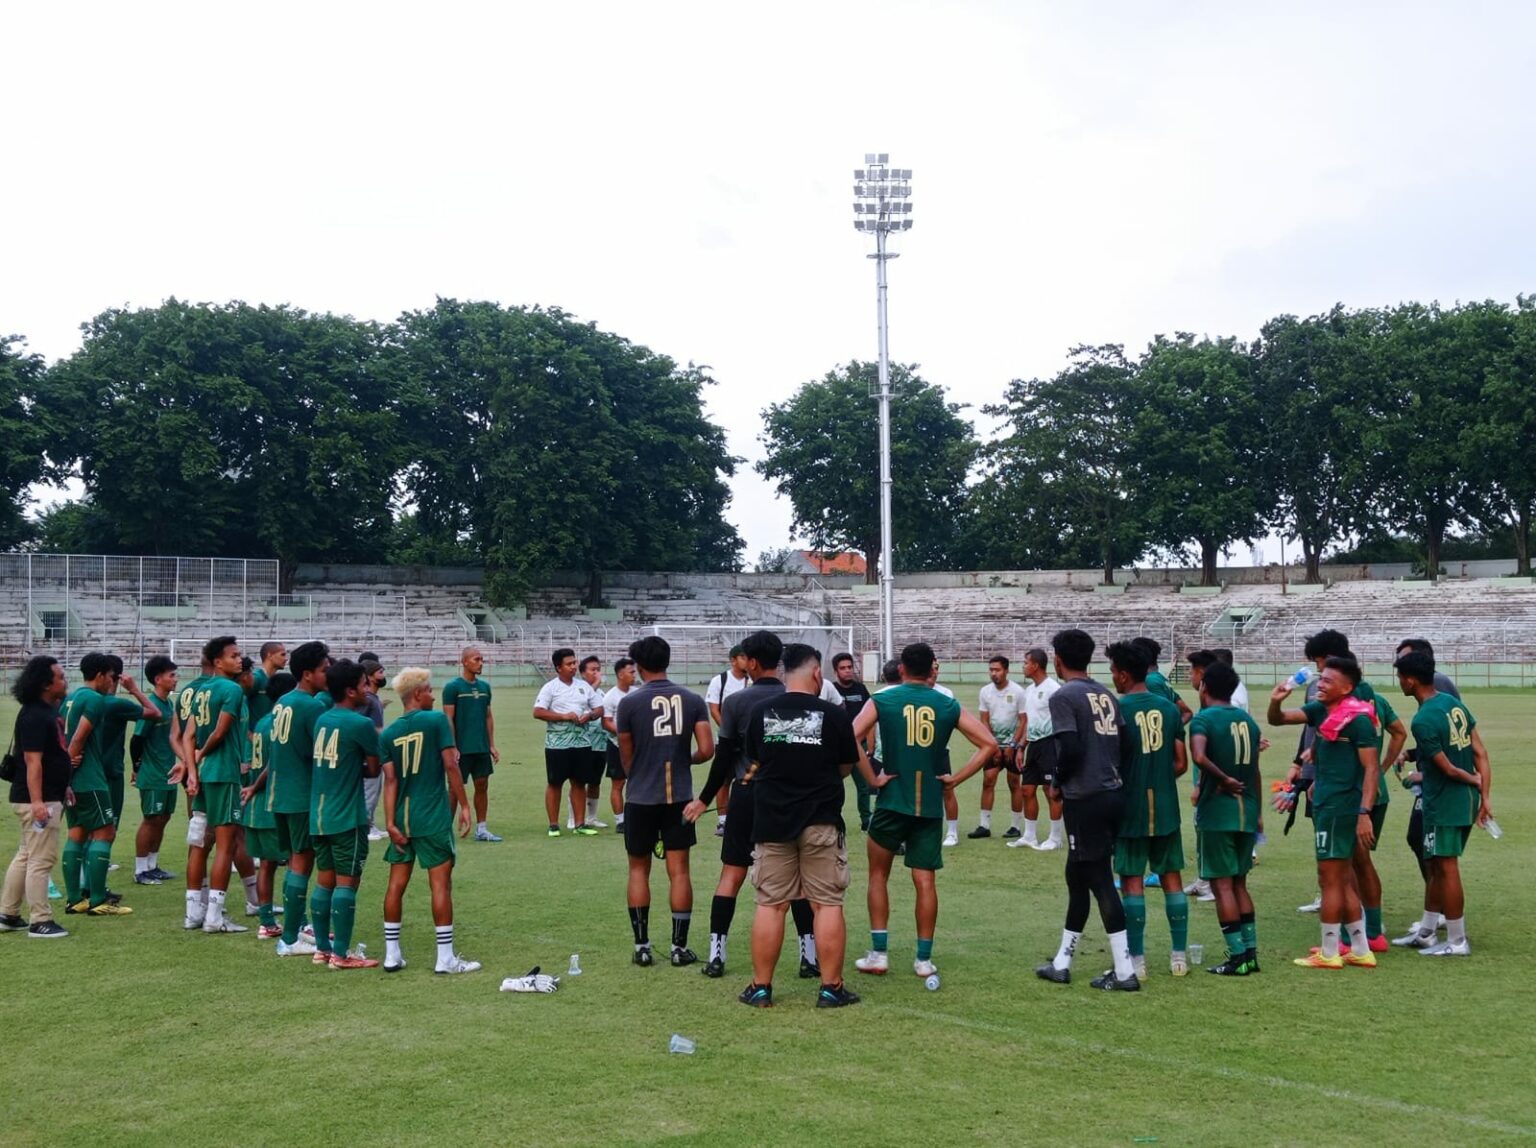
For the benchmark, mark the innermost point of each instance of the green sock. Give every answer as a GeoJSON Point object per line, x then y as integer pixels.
{"type": "Point", "coordinates": [343, 913]}
{"type": "Point", "coordinates": [1373, 922]}
{"type": "Point", "coordinates": [878, 939]}
{"type": "Point", "coordinates": [1136, 923]}
{"type": "Point", "coordinates": [925, 948]}
{"type": "Point", "coordinates": [295, 891]}
{"type": "Point", "coordinates": [1232, 934]}
{"type": "Point", "coordinates": [98, 855]}
{"type": "Point", "coordinates": [1250, 929]}
{"type": "Point", "coordinates": [1176, 905]}
{"type": "Point", "coordinates": [268, 918]}
{"type": "Point", "coordinates": [320, 912]}
{"type": "Point", "coordinates": [72, 854]}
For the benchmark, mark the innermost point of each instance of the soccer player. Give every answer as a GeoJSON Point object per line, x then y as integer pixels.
{"type": "Point", "coordinates": [218, 718]}
{"type": "Point", "coordinates": [1343, 793]}
{"type": "Point", "coordinates": [1000, 705]}
{"type": "Point", "coordinates": [1318, 649]}
{"type": "Point", "coordinates": [1224, 742]}
{"type": "Point", "coordinates": [803, 746]}
{"type": "Point", "coordinates": [467, 705]}
{"type": "Point", "coordinates": [1157, 684]}
{"type": "Point", "coordinates": [156, 773]}
{"type": "Point", "coordinates": [259, 819]}
{"type": "Point", "coordinates": [733, 679]}
{"type": "Point", "coordinates": [274, 660]}
{"type": "Point", "coordinates": [915, 722]}
{"type": "Point", "coordinates": [763, 651]}
{"type": "Point", "coordinates": [597, 738]}
{"type": "Point", "coordinates": [291, 765]}
{"type": "Point", "coordinates": [1037, 756]}
{"type": "Point", "coordinates": [373, 706]}
{"type": "Point", "coordinates": [624, 675]}
{"type": "Point", "coordinates": [117, 721]}
{"type": "Point", "coordinates": [663, 732]}
{"type": "Point", "coordinates": [852, 694]}
{"type": "Point", "coordinates": [1412, 781]}
{"type": "Point", "coordinates": [1456, 782]}
{"type": "Point", "coordinates": [90, 716]}
{"type": "Point", "coordinates": [346, 751]}
{"type": "Point", "coordinates": [1390, 737]}
{"type": "Point", "coordinates": [423, 792]}
{"type": "Point", "coordinates": [1148, 836]}
{"type": "Point", "coordinates": [564, 705]}
{"type": "Point", "coordinates": [1091, 744]}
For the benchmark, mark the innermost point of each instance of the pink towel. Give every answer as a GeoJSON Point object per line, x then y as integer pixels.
{"type": "Point", "coordinates": [1344, 713]}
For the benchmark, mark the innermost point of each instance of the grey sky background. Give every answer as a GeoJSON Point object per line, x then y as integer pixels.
{"type": "Point", "coordinates": [680, 173]}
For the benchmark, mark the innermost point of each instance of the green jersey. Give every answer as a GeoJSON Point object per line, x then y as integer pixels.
{"type": "Point", "coordinates": [1158, 686]}
{"type": "Point", "coordinates": [1385, 716]}
{"type": "Point", "coordinates": [915, 722]}
{"type": "Point", "coordinates": [1340, 778]}
{"type": "Point", "coordinates": [214, 698]}
{"type": "Point", "coordinates": [184, 696]}
{"type": "Point", "coordinates": [258, 810]}
{"type": "Point", "coordinates": [119, 714]}
{"type": "Point", "coordinates": [344, 740]}
{"type": "Point", "coordinates": [260, 705]}
{"type": "Point", "coordinates": [471, 702]}
{"type": "Point", "coordinates": [1232, 744]}
{"type": "Point", "coordinates": [415, 743]}
{"type": "Point", "coordinates": [91, 776]}
{"type": "Point", "coordinates": [1444, 725]}
{"type": "Point", "coordinates": [1150, 806]}
{"type": "Point", "coordinates": [159, 758]}
{"type": "Point", "coordinates": [293, 750]}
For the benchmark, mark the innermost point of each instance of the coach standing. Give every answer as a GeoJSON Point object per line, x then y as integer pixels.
{"type": "Point", "coordinates": [37, 797]}
{"type": "Point", "coordinates": [801, 747]}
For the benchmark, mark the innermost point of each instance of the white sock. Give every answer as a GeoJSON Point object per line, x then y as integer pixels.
{"type": "Point", "coordinates": [618, 819]}
{"type": "Point", "coordinates": [252, 898]}
{"type": "Point", "coordinates": [1017, 817]}
{"type": "Point", "coordinates": [591, 809]}
{"type": "Point", "coordinates": [392, 943]}
{"type": "Point", "coordinates": [1031, 830]}
{"type": "Point", "coordinates": [717, 947]}
{"type": "Point", "coordinates": [1425, 925]}
{"type": "Point", "coordinates": [444, 944]}
{"type": "Point", "coordinates": [214, 913]}
{"type": "Point", "coordinates": [480, 827]}
{"type": "Point", "coordinates": [1063, 957]}
{"type": "Point", "coordinates": [952, 828]}
{"type": "Point", "coordinates": [141, 865]}
{"type": "Point", "coordinates": [1120, 949]}
{"type": "Point", "coordinates": [1440, 921]}
{"type": "Point", "coordinates": [1456, 931]}
{"type": "Point", "coordinates": [154, 859]}
{"type": "Point", "coordinates": [722, 819]}
{"type": "Point", "coordinates": [808, 948]}
{"type": "Point", "coordinates": [986, 819]}
{"type": "Point", "coordinates": [1330, 939]}
{"type": "Point", "coordinates": [194, 905]}
{"type": "Point", "coordinates": [1359, 944]}
{"type": "Point", "coordinates": [1058, 829]}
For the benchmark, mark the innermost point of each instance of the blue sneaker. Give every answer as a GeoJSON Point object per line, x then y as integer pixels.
{"type": "Point", "coordinates": [756, 995]}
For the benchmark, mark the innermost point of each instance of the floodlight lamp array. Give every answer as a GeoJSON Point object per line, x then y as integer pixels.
{"type": "Point", "coordinates": [884, 195]}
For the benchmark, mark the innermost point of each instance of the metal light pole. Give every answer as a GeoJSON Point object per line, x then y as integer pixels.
{"type": "Point", "coordinates": [884, 205]}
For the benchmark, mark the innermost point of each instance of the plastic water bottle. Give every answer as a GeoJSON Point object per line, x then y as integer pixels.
{"type": "Point", "coordinates": [681, 1045]}
{"type": "Point", "coordinates": [932, 982]}
{"type": "Point", "coordinates": [360, 951]}
{"type": "Point", "coordinates": [1302, 676]}
{"type": "Point", "coordinates": [575, 969]}
{"type": "Point", "coordinates": [1494, 829]}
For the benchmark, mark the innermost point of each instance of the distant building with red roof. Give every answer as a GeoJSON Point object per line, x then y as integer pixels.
{"type": "Point", "coordinates": [849, 562]}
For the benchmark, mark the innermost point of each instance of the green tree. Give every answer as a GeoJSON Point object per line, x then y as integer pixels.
{"type": "Point", "coordinates": [775, 561]}
{"type": "Point", "coordinates": [27, 430]}
{"type": "Point", "coordinates": [823, 452]}
{"type": "Point", "coordinates": [1058, 486]}
{"type": "Point", "coordinates": [1198, 441]}
{"type": "Point", "coordinates": [1500, 443]}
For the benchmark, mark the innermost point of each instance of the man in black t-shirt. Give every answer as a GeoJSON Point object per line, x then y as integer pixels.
{"type": "Point", "coordinates": [854, 695]}
{"type": "Point", "coordinates": [801, 748]}
{"type": "Point", "coordinates": [37, 797]}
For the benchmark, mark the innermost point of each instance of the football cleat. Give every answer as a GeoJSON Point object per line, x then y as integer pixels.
{"type": "Point", "coordinates": [269, 932]}
{"type": "Point", "coordinates": [224, 925]}
{"type": "Point", "coordinates": [1048, 844]}
{"type": "Point", "coordinates": [1415, 940]}
{"type": "Point", "coordinates": [951, 838]}
{"type": "Point", "coordinates": [487, 835]}
{"type": "Point", "coordinates": [715, 968]}
{"type": "Point", "coordinates": [1139, 966]}
{"type": "Point", "coordinates": [584, 831]}
{"type": "Point", "coordinates": [1365, 960]}
{"type": "Point", "coordinates": [875, 963]}
{"type": "Point", "coordinates": [1234, 966]}
{"type": "Point", "coordinates": [1311, 906]}
{"type": "Point", "coordinates": [1378, 943]}
{"type": "Point", "coordinates": [109, 909]}
{"type": "Point", "coordinates": [1108, 982]}
{"type": "Point", "coordinates": [389, 968]}
{"type": "Point", "coordinates": [1014, 832]}
{"type": "Point", "coordinates": [353, 962]}
{"type": "Point", "coordinates": [147, 877]}
{"type": "Point", "coordinates": [809, 971]}
{"type": "Point", "coordinates": [924, 968]}
{"type": "Point", "coordinates": [1178, 964]}
{"type": "Point", "coordinates": [299, 948]}
{"type": "Point", "coordinates": [456, 964]}
{"type": "Point", "coordinates": [1049, 972]}
{"type": "Point", "coordinates": [1316, 960]}
{"type": "Point", "coordinates": [1023, 842]}
{"type": "Point", "coordinates": [643, 957]}
{"type": "Point", "coordinates": [979, 832]}
{"type": "Point", "coordinates": [1462, 948]}
{"type": "Point", "coordinates": [683, 956]}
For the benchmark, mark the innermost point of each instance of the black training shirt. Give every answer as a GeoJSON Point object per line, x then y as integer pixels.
{"type": "Point", "coordinates": [799, 744]}
{"type": "Point", "coordinates": [39, 730]}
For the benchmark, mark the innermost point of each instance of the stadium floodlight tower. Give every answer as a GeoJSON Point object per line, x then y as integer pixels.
{"type": "Point", "coordinates": [884, 205]}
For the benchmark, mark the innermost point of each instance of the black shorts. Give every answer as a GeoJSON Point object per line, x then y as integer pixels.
{"type": "Point", "coordinates": [644, 825]}
{"type": "Point", "coordinates": [1090, 823]}
{"type": "Point", "coordinates": [1039, 762]}
{"type": "Point", "coordinates": [597, 761]}
{"type": "Point", "coordinates": [736, 844]}
{"type": "Point", "coordinates": [562, 765]}
{"type": "Point", "coordinates": [611, 764]}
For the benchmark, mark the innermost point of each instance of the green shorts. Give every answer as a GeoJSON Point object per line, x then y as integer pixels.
{"type": "Point", "coordinates": [293, 834]}
{"type": "Point", "coordinates": [429, 850]}
{"type": "Point", "coordinates": [1333, 834]}
{"type": "Point", "coordinates": [342, 853]}
{"type": "Point", "coordinates": [476, 765]}
{"type": "Point", "coordinates": [923, 837]}
{"type": "Point", "coordinates": [221, 802]}
{"type": "Point", "coordinates": [263, 843]}
{"type": "Point", "coordinates": [116, 787]}
{"type": "Point", "coordinates": [1446, 840]}
{"type": "Point", "coordinates": [157, 802]}
{"type": "Point", "coordinates": [1138, 856]}
{"type": "Point", "coordinates": [91, 811]}
{"type": "Point", "coordinates": [1224, 853]}
{"type": "Point", "coordinates": [1378, 819]}
{"type": "Point", "coordinates": [197, 803]}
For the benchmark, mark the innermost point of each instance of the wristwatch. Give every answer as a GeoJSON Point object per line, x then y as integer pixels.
{"type": "Point", "coordinates": [1365, 813]}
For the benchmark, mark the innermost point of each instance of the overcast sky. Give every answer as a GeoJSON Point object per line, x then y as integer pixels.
{"type": "Point", "coordinates": [681, 173]}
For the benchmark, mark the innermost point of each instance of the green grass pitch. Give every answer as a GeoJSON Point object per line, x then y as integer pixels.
{"type": "Point", "coordinates": [133, 1032]}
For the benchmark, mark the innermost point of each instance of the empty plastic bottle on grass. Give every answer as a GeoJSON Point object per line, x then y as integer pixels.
{"type": "Point", "coordinates": [575, 969]}
{"type": "Point", "coordinates": [681, 1044]}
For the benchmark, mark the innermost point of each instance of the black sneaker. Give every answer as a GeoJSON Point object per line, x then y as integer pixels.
{"type": "Point", "coordinates": [808, 971]}
{"type": "Point", "coordinates": [681, 957]}
{"type": "Point", "coordinates": [146, 878]}
{"type": "Point", "coordinates": [756, 995]}
{"type": "Point", "coordinates": [47, 931]}
{"type": "Point", "coordinates": [1049, 972]}
{"type": "Point", "coordinates": [1233, 966]}
{"type": "Point", "coordinates": [10, 923]}
{"type": "Point", "coordinates": [161, 875]}
{"type": "Point", "coordinates": [1113, 984]}
{"type": "Point", "coordinates": [715, 969]}
{"type": "Point", "coordinates": [835, 996]}
{"type": "Point", "coordinates": [643, 957]}
{"type": "Point", "coordinates": [979, 831]}
{"type": "Point", "coordinates": [1013, 831]}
